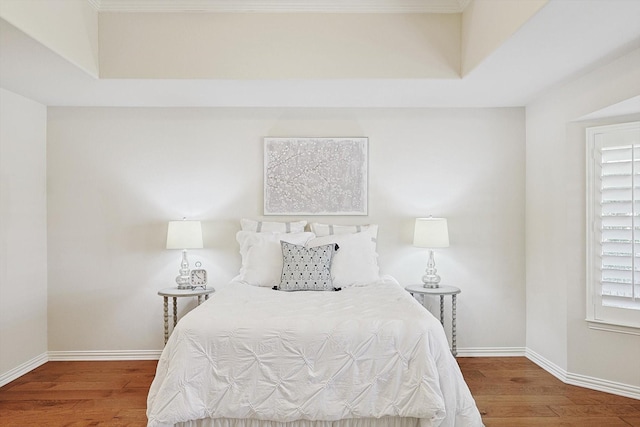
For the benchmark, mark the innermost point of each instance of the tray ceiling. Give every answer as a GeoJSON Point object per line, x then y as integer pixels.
{"type": "Point", "coordinates": [283, 6]}
{"type": "Point", "coordinates": [564, 40]}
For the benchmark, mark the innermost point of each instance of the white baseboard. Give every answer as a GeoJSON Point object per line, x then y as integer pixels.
{"type": "Point", "coordinates": [491, 351]}
{"type": "Point", "coordinates": [547, 365]}
{"type": "Point", "coordinates": [606, 386]}
{"type": "Point", "coordinates": [59, 356]}
{"type": "Point", "coordinates": [584, 381]}
{"type": "Point", "coordinates": [26, 367]}
{"type": "Point", "coordinates": [592, 383]}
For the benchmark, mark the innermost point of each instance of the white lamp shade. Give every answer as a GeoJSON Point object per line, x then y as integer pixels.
{"type": "Point", "coordinates": [184, 235]}
{"type": "Point", "coordinates": [431, 233]}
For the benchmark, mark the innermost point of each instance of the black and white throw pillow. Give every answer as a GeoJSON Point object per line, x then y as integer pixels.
{"type": "Point", "coordinates": [306, 269]}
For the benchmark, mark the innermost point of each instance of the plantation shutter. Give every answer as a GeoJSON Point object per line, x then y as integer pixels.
{"type": "Point", "coordinates": [616, 222]}
{"type": "Point", "coordinates": [620, 226]}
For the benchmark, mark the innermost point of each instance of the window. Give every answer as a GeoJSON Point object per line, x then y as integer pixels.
{"type": "Point", "coordinates": [613, 224]}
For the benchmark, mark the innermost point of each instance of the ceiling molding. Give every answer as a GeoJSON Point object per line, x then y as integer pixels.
{"type": "Point", "coordinates": [282, 6]}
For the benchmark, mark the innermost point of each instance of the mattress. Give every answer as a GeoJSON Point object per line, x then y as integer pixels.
{"type": "Point", "coordinates": [252, 356]}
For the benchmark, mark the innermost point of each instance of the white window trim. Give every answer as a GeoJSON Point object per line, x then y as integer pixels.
{"type": "Point", "coordinates": [609, 327]}
{"type": "Point", "coordinates": [596, 321]}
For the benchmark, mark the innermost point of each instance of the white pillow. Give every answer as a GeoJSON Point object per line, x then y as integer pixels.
{"type": "Point", "coordinates": [321, 230]}
{"type": "Point", "coordinates": [280, 227]}
{"type": "Point", "coordinates": [356, 261]}
{"type": "Point", "coordinates": [262, 255]}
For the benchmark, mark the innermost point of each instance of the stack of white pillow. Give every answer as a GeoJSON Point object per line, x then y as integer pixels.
{"type": "Point", "coordinates": [354, 264]}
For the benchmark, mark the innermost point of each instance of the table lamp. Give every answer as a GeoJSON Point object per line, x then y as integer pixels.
{"type": "Point", "coordinates": [184, 235]}
{"type": "Point", "coordinates": [431, 233]}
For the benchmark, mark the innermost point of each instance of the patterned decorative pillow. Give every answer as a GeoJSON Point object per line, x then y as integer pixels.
{"type": "Point", "coordinates": [306, 269]}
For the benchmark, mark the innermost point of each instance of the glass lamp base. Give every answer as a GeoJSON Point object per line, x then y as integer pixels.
{"type": "Point", "coordinates": [183, 279]}
{"type": "Point", "coordinates": [431, 278]}
{"type": "Point", "coordinates": [431, 281]}
{"type": "Point", "coordinates": [431, 285]}
{"type": "Point", "coordinates": [183, 282]}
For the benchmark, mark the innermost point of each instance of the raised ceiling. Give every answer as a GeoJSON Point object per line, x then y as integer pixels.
{"type": "Point", "coordinates": [283, 6]}
{"type": "Point", "coordinates": [567, 38]}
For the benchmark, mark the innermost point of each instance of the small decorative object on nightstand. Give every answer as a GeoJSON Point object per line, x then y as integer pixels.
{"type": "Point", "coordinates": [441, 291]}
{"type": "Point", "coordinates": [431, 233]}
{"type": "Point", "coordinates": [179, 293]}
{"type": "Point", "coordinates": [198, 277]}
{"type": "Point", "coordinates": [184, 235]}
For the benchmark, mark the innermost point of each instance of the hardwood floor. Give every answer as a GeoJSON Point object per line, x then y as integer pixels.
{"type": "Point", "coordinates": [515, 392]}
{"type": "Point", "coordinates": [510, 392]}
{"type": "Point", "coordinates": [79, 394]}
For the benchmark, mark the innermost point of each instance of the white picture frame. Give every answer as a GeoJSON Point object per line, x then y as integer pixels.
{"type": "Point", "coordinates": [315, 176]}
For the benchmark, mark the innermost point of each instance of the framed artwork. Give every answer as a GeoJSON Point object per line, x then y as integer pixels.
{"type": "Point", "coordinates": [315, 176]}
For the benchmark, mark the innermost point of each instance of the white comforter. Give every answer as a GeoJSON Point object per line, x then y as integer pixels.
{"type": "Point", "coordinates": [252, 352]}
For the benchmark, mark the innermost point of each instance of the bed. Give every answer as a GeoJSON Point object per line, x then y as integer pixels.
{"type": "Point", "coordinates": [368, 355]}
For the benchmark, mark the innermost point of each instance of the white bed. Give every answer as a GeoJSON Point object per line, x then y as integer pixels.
{"type": "Point", "coordinates": [366, 356]}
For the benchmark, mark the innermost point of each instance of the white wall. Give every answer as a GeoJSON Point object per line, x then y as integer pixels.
{"type": "Point", "coordinates": [117, 175]}
{"type": "Point", "coordinates": [23, 234]}
{"type": "Point", "coordinates": [556, 238]}
{"type": "Point", "coordinates": [67, 27]}
{"type": "Point", "coordinates": [279, 46]}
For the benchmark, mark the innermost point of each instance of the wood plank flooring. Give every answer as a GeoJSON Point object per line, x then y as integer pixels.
{"type": "Point", "coordinates": [515, 392]}
{"type": "Point", "coordinates": [510, 392]}
{"type": "Point", "coordinates": [78, 394]}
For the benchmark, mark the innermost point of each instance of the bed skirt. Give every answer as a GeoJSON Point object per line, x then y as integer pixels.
{"type": "Point", "coordinates": [354, 422]}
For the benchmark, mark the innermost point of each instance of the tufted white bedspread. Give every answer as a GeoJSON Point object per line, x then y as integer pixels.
{"type": "Point", "coordinates": [363, 352]}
